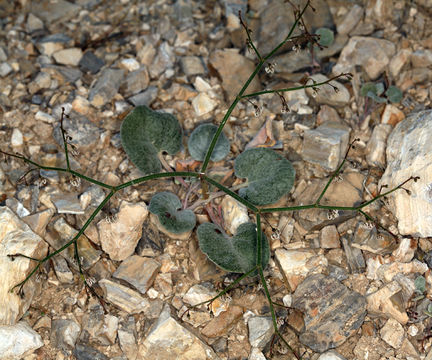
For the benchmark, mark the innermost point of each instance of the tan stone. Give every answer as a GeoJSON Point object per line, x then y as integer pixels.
{"type": "Point", "coordinates": [16, 237]}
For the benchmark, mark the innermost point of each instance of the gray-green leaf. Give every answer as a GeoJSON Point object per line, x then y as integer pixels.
{"type": "Point", "coordinates": [326, 36]}
{"type": "Point", "coordinates": [394, 94]}
{"type": "Point", "coordinates": [167, 207]}
{"type": "Point", "coordinates": [270, 175]}
{"type": "Point", "coordinates": [144, 133]}
{"type": "Point", "coordinates": [237, 253]}
{"type": "Point", "coordinates": [420, 284]}
{"type": "Point", "coordinates": [200, 140]}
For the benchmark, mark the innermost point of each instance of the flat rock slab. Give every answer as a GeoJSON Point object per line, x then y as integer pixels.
{"type": "Point", "coordinates": [18, 341]}
{"type": "Point", "coordinates": [167, 340]}
{"type": "Point", "coordinates": [16, 237]}
{"type": "Point", "coordinates": [409, 153]}
{"type": "Point", "coordinates": [332, 312]}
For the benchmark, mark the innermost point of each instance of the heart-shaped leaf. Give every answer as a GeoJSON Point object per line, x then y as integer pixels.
{"type": "Point", "coordinates": [167, 207]}
{"type": "Point", "coordinates": [394, 94]}
{"type": "Point", "coordinates": [368, 87]}
{"type": "Point", "coordinates": [200, 140]}
{"type": "Point", "coordinates": [270, 175]}
{"type": "Point", "coordinates": [420, 284]}
{"type": "Point", "coordinates": [235, 254]}
{"type": "Point", "coordinates": [144, 133]}
{"type": "Point", "coordinates": [326, 36]}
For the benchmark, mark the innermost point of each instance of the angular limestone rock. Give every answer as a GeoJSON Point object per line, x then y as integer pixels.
{"type": "Point", "coordinates": [123, 297]}
{"type": "Point", "coordinates": [138, 271]}
{"type": "Point", "coordinates": [120, 238]}
{"type": "Point", "coordinates": [167, 339]}
{"type": "Point", "coordinates": [371, 53]}
{"type": "Point", "coordinates": [18, 341]}
{"type": "Point", "coordinates": [375, 150]}
{"type": "Point", "coordinates": [393, 333]}
{"type": "Point", "coordinates": [332, 312]}
{"type": "Point", "coordinates": [326, 145]}
{"type": "Point", "coordinates": [409, 153]}
{"type": "Point", "coordinates": [16, 237]}
{"type": "Point", "coordinates": [388, 302]}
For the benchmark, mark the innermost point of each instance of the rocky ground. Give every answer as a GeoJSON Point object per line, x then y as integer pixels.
{"type": "Point", "coordinates": [351, 289]}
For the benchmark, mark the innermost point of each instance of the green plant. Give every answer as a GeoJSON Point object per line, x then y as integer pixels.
{"type": "Point", "coordinates": [146, 134]}
{"type": "Point", "coordinates": [375, 91]}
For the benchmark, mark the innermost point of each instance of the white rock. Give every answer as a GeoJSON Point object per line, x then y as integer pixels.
{"type": "Point", "coordinates": [120, 238]}
{"type": "Point", "coordinates": [406, 250]}
{"type": "Point", "coordinates": [203, 104]}
{"type": "Point", "coordinates": [18, 340]}
{"type": "Point", "coordinates": [42, 116]}
{"type": "Point", "coordinates": [413, 330]}
{"type": "Point", "coordinates": [375, 150]}
{"type": "Point", "coordinates": [201, 85]}
{"type": "Point", "coordinates": [393, 333]}
{"type": "Point", "coordinates": [130, 64]}
{"type": "Point", "coordinates": [167, 339]}
{"type": "Point", "coordinates": [234, 213]}
{"type": "Point", "coordinates": [17, 138]}
{"type": "Point", "coordinates": [331, 355]}
{"type": "Point", "coordinates": [197, 294]}
{"type": "Point", "coordinates": [260, 331]}
{"type": "Point", "coordinates": [371, 53]}
{"type": "Point", "coordinates": [70, 56]}
{"type": "Point", "coordinates": [256, 354]}
{"type": "Point", "coordinates": [287, 300]}
{"type": "Point", "coordinates": [16, 237]}
{"type": "Point", "coordinates": [409, 153]}
{"type": "Point", "coordinates": [5, 69]}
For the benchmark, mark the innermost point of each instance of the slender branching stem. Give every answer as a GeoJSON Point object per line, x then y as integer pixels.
{"type": "Point", "coordinates": [337, 172]}
{"type": "Point", "coordinates": [295, 87]}
{"type": "Point", "coordinates": [243, 89]}
{"type": "Point", "coordinates": [272, 311]}
{"type": "Point", "coordinates": [248, 34]}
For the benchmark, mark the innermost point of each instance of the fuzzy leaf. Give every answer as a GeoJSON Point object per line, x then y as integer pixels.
{"type": "Point", "coordinates": [200, 140]}
{"type": "Point", "coordinates": [326, 36]}
{"type": "Point", "coordinates": [420, 284]}
{"type": "Point", "coordinates": [394, 94]}
{"type": "Point", "coordinates": [167, 207]}
{"type": "Point", "coordinates": [270, 175]}
{"type": "Point", "coordinates": [237, 253]}
{"type": "Point", "coordinates": [379, 88]}
{"type": "Point", "coordinates": [144, 133]}
{"type": "Point", "coordinates": [368, 87]}
{"type": "Point", "coordinates": [376, 98]}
